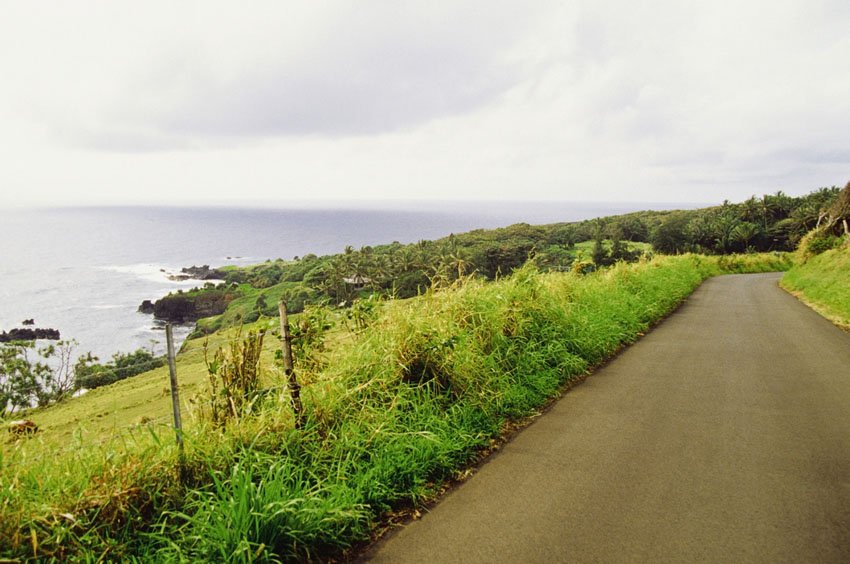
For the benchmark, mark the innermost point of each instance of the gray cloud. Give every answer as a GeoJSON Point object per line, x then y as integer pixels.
{"type": "Point", "coordinates": [362, 93]}
{"type": "Point", "coordinates": [362, 73]}
{"type": "Point", "coordinates": [563, 100]}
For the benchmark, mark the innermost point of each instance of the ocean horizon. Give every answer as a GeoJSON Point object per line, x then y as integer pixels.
{"type": "Point", "coordinates": [84, 270]}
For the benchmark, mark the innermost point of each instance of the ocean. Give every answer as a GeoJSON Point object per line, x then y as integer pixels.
{"type": "Point", "coordinates": [84, 271]}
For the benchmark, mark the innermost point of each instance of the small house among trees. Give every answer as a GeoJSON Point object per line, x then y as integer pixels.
{"type": "Point", "coordinates": [357, 282]}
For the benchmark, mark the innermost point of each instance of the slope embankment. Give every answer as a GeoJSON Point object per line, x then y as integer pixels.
{"type": "Point", "coordinates": [823, 282]}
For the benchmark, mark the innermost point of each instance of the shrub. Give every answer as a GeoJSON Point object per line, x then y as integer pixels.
{"type": "Point", "coordinates": [90, 374]}
{"type": "Point", "coordinates": [817, 242]}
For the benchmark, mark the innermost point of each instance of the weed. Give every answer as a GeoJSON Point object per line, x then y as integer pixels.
{"type": "Point", "coordinates": [234, 378]}
{"type": "Point", "coordinates": [309, 332]}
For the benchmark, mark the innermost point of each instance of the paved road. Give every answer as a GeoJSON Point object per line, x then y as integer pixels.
{"type": "Point", "coordinates": [722, 436]}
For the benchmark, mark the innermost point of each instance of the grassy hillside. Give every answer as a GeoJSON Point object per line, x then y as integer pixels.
{"type": "Point", "coordinates": [135, 403]}
{"type": "Point", "coordinates": [402, 400]}
{"type": "Point", "coordinates": [823, 282]}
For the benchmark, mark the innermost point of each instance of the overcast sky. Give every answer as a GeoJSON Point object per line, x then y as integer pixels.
{"type": "Point", "coordinates": [273, 102]}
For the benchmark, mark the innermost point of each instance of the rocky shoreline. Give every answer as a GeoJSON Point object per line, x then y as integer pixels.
{"type": "Point", "coordinates": [27, 334]}
{"type": "Point", "coordinates": [183, 307]}
{"type": "Point", "coordinates": [203, 272]}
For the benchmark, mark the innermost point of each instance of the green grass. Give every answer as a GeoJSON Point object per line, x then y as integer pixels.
{"type": "Point", "coordinates": [400, 408]}
{"type": "Point", "coordinates": [243, 307]}
{"type": "Point", "coordinates": [823, 282]}
{"type": "Point", "coordinates": [135, 402]}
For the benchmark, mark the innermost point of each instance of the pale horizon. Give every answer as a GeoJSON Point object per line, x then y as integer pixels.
{"type": "Point", "coordinates": [387, 205]}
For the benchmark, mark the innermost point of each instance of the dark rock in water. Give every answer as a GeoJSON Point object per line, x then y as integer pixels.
{"type": "Point", "coordinates": [28, 322]}
{"type": "Point", "coordinates": [146, 307]}
{"type": "Point", "coordinates": [202, 273]}
{"type": "Point", "coordinates": [191, 306]}
{"type": "Point", "coordinates": [29, 335]}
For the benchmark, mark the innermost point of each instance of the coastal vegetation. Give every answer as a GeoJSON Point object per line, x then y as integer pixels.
{"type": "Point", "coordinates": [396, 404]}
{"type": "Point", "coordinates": [770, 223]}
{"type": "Point", "coordinates": [399, 397]}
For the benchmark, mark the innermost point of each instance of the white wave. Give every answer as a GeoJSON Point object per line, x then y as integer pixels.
{"type": "Point", "coordinates": [146, 271]}
{"type": "Point", "coordinates": [237, 260]}
{"type": "Point", "coordinates": [155, 273]}
{"type": "Point", "coordinates": [139, 268]}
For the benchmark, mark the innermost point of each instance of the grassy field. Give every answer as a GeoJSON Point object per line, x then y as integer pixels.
{"type": "Point", "coordinates": [823, 282]}
{"type": "Point", "coordinates": [398, 405]}
{"type": "Point", "coordinates": [140, 401]}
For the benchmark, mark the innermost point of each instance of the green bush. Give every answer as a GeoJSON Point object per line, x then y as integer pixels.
{"type": "Point", "coordinates": [818, 242]}
{"type": "Point", "coordinates": [90, 374]}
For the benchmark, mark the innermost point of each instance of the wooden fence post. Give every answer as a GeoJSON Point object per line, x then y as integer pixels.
{"type": "Point", "coordinates": [294, 387]}
{"type": "Point", "coordinates": [175, 394]}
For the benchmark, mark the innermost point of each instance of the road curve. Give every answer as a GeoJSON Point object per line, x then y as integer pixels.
{"type": "Point", "coordinates": [722, 436]}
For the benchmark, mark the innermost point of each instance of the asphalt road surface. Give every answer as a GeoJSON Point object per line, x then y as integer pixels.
{"type": "Point", "coordinates": [722, 436]}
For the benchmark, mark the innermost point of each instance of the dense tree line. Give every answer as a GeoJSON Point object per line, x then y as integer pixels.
{"type": "Point", "coordinates": [774, 222]}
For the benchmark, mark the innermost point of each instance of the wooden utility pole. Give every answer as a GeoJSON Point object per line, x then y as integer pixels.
{"type": "Point", "coordinates": [175, 394]}
{"type": "Point", "coordinates": [288, 370]}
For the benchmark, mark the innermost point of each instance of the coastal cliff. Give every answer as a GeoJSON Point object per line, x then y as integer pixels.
{"type": "Point", "coordinates": [190, 306]}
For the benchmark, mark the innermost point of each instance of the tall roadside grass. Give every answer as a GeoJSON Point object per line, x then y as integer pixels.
{"type": "Point", "coordinates": [823, 282]}
{"type": "Point", "coordinates": [398, 409]}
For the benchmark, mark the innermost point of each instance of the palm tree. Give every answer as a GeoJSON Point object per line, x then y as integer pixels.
{"type": "Point", "coordinates": [404, 261]}
{"type": "Point", "coordinates": [769, 207]}
{"type": "Point", "coordinates": [745, 232]}
{"type": "Point", "coordinates": [725, 227]}
{"type": "Point", "coordinates": [750, 209]}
